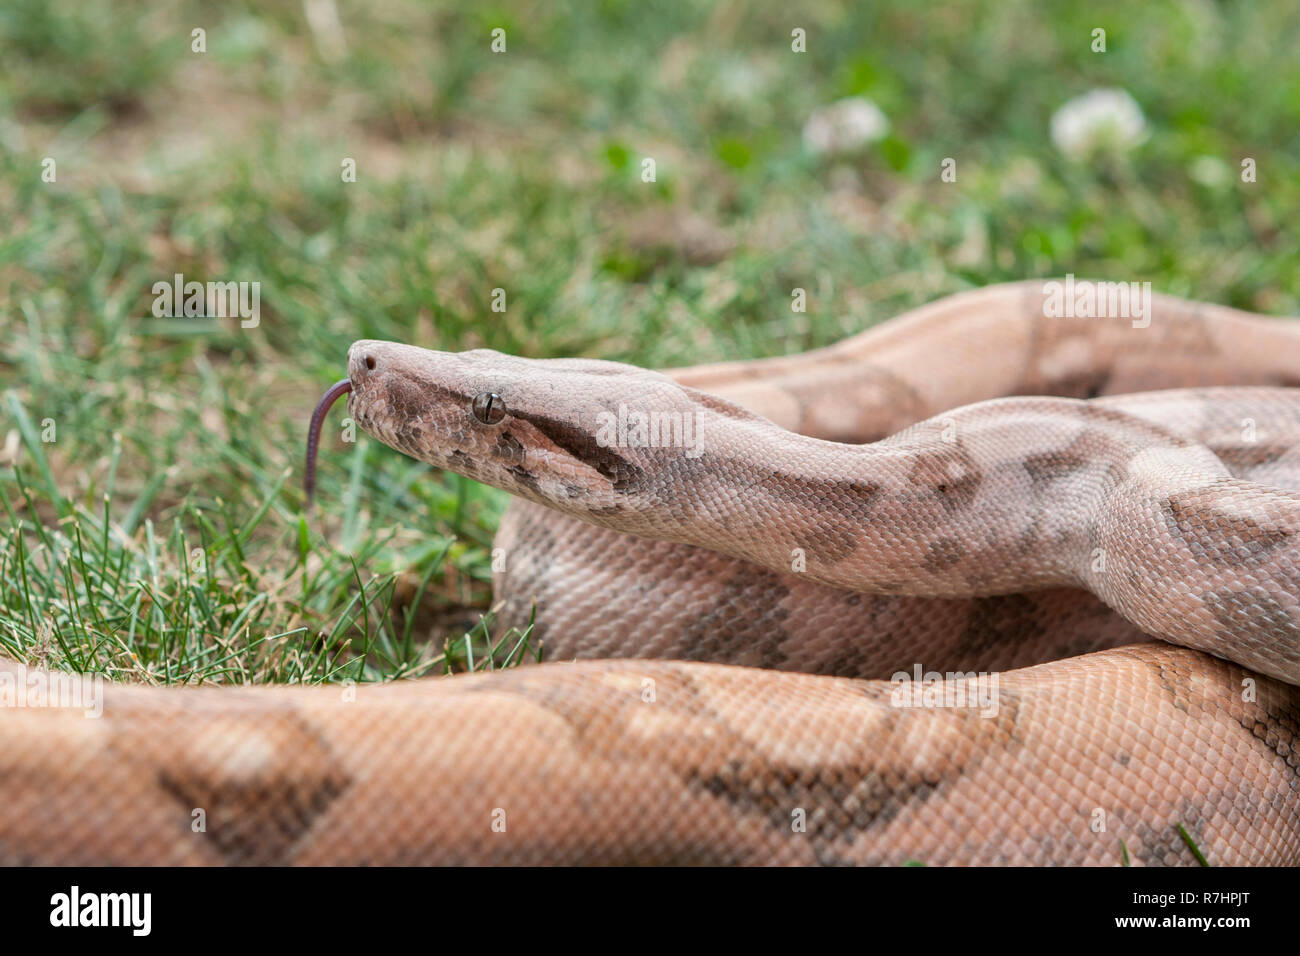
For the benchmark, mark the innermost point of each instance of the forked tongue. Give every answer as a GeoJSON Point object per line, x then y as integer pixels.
{"type": "Point", "coordinates": [313, 432]}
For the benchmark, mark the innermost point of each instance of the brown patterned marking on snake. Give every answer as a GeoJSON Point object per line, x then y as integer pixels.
{"type": "Point", "coordinates": [857, 658]}
{"type": "Point", "coordinates": [723, 407]}
{"type": "Point", "coordinates": [582, 445]}
{"type": "Point", "coordinates": [1251, 454]}
{"type": "Point", "coordinates": [1052, 465]}
{"type": "Point", "coordinates": [828, 543]}
{"type": "Point", "coordinates": [899, 392]}
{"type": "Point", "coordinates": [508, 448]}
{"type": "Point", "coordinates": [1247, 803]}
{"type": "Point", "coordinates": [410, 437]}
{"type": "Point", "coordinates": [406, 398]}
{"type": "Point", "coordinates": [842, 802]}
{"type": "Point", "coordinates": [999, 621]}
{"type": "Point", "coordinates": [943, 553]}
{"type": "Point", "coordinates": [1213, 534]}
{"type": "Point", "coordinates": [833, 539]}
{"type": "Point", "coordinates": [1164, 845]}
{"type": "Point", "coordinates": [1083, 384]}
{"type": "Point", "coordinates": [894, 396]}
{"type": "Point", "coordinates": [751, 603]}
{"type": "Point", "coordinates": [1276, 725]}
{"type": "Point", "coordinates": [839, 802]}
{"type": "Point", "coordinates": [409, 395]}
{"type": "Point", "coordinates": [857, 496]}
{"type": "Point", "coordinates": [599, 717]}
{"type": "Point", "coordinates": [525, 478]}
{"type": "Point", "coordinates": [256, 814]}
{"type": "Point", "coordinates": [949, 474]}
{"type": "Point", "coordinates": [1175, 682]}
{"type": "Point", "coordinates": [1092, 446]}
{"type": "Point", "coordinates": [1033, 540]}
{"type": "Point", "coordinates": [472, 468]}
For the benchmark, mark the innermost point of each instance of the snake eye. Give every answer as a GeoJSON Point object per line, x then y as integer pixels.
{"type": "Point", "coordinates": [488, 408]}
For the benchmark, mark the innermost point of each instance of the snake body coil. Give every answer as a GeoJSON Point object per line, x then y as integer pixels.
{"type": "Point", "coordinates": [863, 510]}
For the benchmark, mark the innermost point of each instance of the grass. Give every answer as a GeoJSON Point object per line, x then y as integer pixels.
{"type": "Point", "coordinates": [1191, 845]}
{"type": "Point", "coordinates": [150, 468]}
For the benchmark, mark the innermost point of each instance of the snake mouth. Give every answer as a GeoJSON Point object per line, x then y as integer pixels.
{"type": "Point", "coordinates": [331, 396]}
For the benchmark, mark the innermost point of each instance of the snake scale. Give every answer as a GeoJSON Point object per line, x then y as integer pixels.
{"type": "Point", "coordinates": [972, 487]}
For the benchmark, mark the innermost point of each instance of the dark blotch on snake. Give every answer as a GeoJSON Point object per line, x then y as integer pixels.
{"type": "Point", "coordinates": [582, 445]}
{"type": "Point", "coordinates": [1217, 535]}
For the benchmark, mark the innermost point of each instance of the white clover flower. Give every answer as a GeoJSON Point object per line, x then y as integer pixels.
{"type": "Point", "coordinates": [1210, 171]}
{"type": "Point", "coordinates": [1100, 119]}
{"type": "Point", "coordinates": [845, 126]}
{"type": "Point", "coordinates": [740, 82]}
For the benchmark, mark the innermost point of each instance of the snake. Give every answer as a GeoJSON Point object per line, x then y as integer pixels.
{"type": "Point", "coordinates": [981, 585]}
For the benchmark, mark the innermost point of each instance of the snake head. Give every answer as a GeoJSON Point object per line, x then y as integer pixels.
{"type": "Point", "coordinates": [574, 434]}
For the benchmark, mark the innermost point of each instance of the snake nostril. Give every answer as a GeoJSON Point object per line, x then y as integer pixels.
{"type": "Point", "coordinates": [370, 362]}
